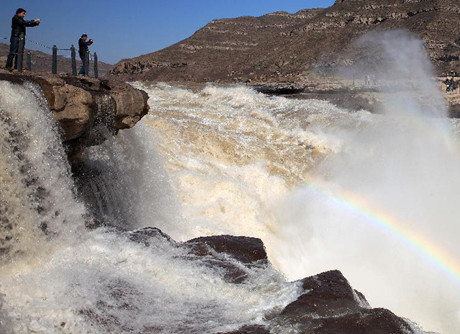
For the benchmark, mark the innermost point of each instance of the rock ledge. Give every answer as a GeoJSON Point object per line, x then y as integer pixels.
{"type": "Point", "coordinates": [88, 110]}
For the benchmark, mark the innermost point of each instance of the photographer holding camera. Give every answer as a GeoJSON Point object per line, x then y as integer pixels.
{"type": "Point", "coordinates": [83, 51]}
{"type": "Point", "coordinates": [18, 32]}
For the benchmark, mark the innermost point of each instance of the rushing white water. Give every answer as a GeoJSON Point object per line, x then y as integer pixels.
{"type": "Point", "coordinates": [126, 184]}
{"type": "Point", "coordinates": [37, 200]}
{"type": "Point", "coordinates": [59, 278]}
{"type": "Point", "coordinates": [107, 284]}
{"type": "Point", "coordinates": [241, 163]}
{"type": "Point", "coordinates": [213, 160]}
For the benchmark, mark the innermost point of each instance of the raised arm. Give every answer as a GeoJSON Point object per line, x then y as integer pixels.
{"type": "Point", "coordinates": [32, 23]}
{"type": "Point", "coordinates": [25, 23]}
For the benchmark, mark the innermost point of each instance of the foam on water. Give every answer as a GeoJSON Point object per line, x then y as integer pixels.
{"type": "Point", "coordinates": [108, 284]}
{"type": "Point", "coordinates": [215, 160]}
{"type": "Point", "coordinates": [58, 278]}
{"type": "Point", "coordinates": [238, 160]}
{"type": "Point", "coordinates": [231, 152]}
{"type": "Point", "coordinates": [125, 183]}
{"type": "Point", "coordinates": [37, 200]}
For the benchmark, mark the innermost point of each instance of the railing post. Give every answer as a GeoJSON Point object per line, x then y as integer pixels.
{"type": "Point", "coordinates": [87, 63]}
{"type": "Point", "coordinates": [96, 71]}
{"type": "Point", "coordinates": [54, 60]}
{"type": "Point", "coordinates": [29, 61]}
{"type": "Point", "coordinates": [74, 60]}
{"type": "Point", "coordinates": [20, 55]}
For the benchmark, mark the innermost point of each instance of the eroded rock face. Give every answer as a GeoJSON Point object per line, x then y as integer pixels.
{"type": "Point", "coordinates": [327, 295]}
{"type": "Point", "coordinates": [330, 305]}
{"type": "Point", "coordinates": [233, 255]}
{"type": "Point", "coordinates": [87, 109]}
{"type": "Point", "coordinates": [244, 249]}
{"type": "Point", "coordinates": [131, 104]}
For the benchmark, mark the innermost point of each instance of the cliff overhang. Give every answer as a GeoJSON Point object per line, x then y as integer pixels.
{"type": "Point", "coordinates": [88, 110]}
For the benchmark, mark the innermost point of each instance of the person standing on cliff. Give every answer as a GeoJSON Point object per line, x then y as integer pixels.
{"type": "Point", "coordinates": [18, 33]}
{"type": "Point", "coordinates": [83, 51]}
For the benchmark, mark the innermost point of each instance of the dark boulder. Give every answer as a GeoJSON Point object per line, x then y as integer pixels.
{"type": "Point", "coordinates": [372, 321]}
{"type": "Point", "coordinates": [327, 294]}
{"type": "Point", "coordinates": [232, 256]}
{"type": "Point", "coordinates": [244, 249]}
{"type": "Point", "coordinates": [331, 306]}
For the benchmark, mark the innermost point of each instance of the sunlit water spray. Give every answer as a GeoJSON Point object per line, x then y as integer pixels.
{"type": "Point", "coordinates": [372, 195]}
{"type": "Point", "coordinates": [57, 277]}
{"type": "Point", "coordinates": [384, 210]}
{"type": "Point", "coordinates": [37, 202]}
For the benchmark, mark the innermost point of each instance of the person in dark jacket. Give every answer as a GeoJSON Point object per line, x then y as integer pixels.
{"type": "Point", "coordinates": [83, 50]}
{"type": "Point", "coordinates": [18, 32]}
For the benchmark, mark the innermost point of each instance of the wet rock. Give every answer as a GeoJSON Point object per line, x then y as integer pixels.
{"type": "Point", "coordinates": [93, 223]}
{"type": "Point", "coordinates": [244, 249]}
{"type": "Point", "coordinates": [130, 104]}
{"type": "Point", "coordinates": [250, 329]}
{"type": "Point", "coordinates": [328, 294]}
{"type": "Point", "coordinates": [118, 299]}
{"type": "Point", "coordinates": [149, 235]}
{"type": "Point", "coordinates": [230, 272]}
{"type": "Point", "coordinates": [233, 256]}
{"type": "Point", "coordinates": [87, 109]}
{"type": "Point", "coordinates": [330, 306]}
{"type": "Point", "coordinates": [373, 321]}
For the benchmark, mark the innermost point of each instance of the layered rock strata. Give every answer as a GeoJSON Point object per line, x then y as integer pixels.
{"type": "Point", "coordinates": [87, 110]}
{"type": "Point", "coordinates": [283, 47]}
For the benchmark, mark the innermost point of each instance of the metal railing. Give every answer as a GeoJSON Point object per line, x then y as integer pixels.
{"type": "Point", "coordinates": [54, 58]}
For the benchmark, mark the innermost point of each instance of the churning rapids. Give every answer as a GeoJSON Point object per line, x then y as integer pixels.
{"type": "Point", "coordinates": [374, 196]}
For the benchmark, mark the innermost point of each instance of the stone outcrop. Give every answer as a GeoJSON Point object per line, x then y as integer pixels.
{"type": "Point", "coordinates": [87, 109]}
{"type": "Point", "coordinates": [330, 305]}
{"type": "Point", "coordinates": [326, 305]}
{"type": "Point", "coordinates": [352, 95]}
{"type": "Point", "coordinates": [215, 252]}
{"type": "Point", "coordinates": [244, 249]}
{"type": "Point", "coordinates": [283, 47]}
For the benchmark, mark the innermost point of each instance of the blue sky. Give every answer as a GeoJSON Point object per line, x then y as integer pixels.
{"type": "Point", "coordinates": [125, 29]}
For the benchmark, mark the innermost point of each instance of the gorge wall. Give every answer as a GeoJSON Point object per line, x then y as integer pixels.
{"type": "Point", "coordinates": [283, 47]}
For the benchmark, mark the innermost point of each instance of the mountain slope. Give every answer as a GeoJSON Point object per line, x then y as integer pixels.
{"type": "Point", "coordinates": [284, 47]}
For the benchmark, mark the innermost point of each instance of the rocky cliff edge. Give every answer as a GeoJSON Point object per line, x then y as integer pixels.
{"type": "Point", "coordinates": [88, 110]}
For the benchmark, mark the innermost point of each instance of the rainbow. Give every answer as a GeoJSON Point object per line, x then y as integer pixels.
{"type": "Point", "coordinates": [355, 203]}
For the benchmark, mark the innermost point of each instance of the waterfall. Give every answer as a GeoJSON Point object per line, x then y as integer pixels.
{"type": "Point", "coordinates": [37, 201]}
{"type": "Point", "coordinates": [57, 277]}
